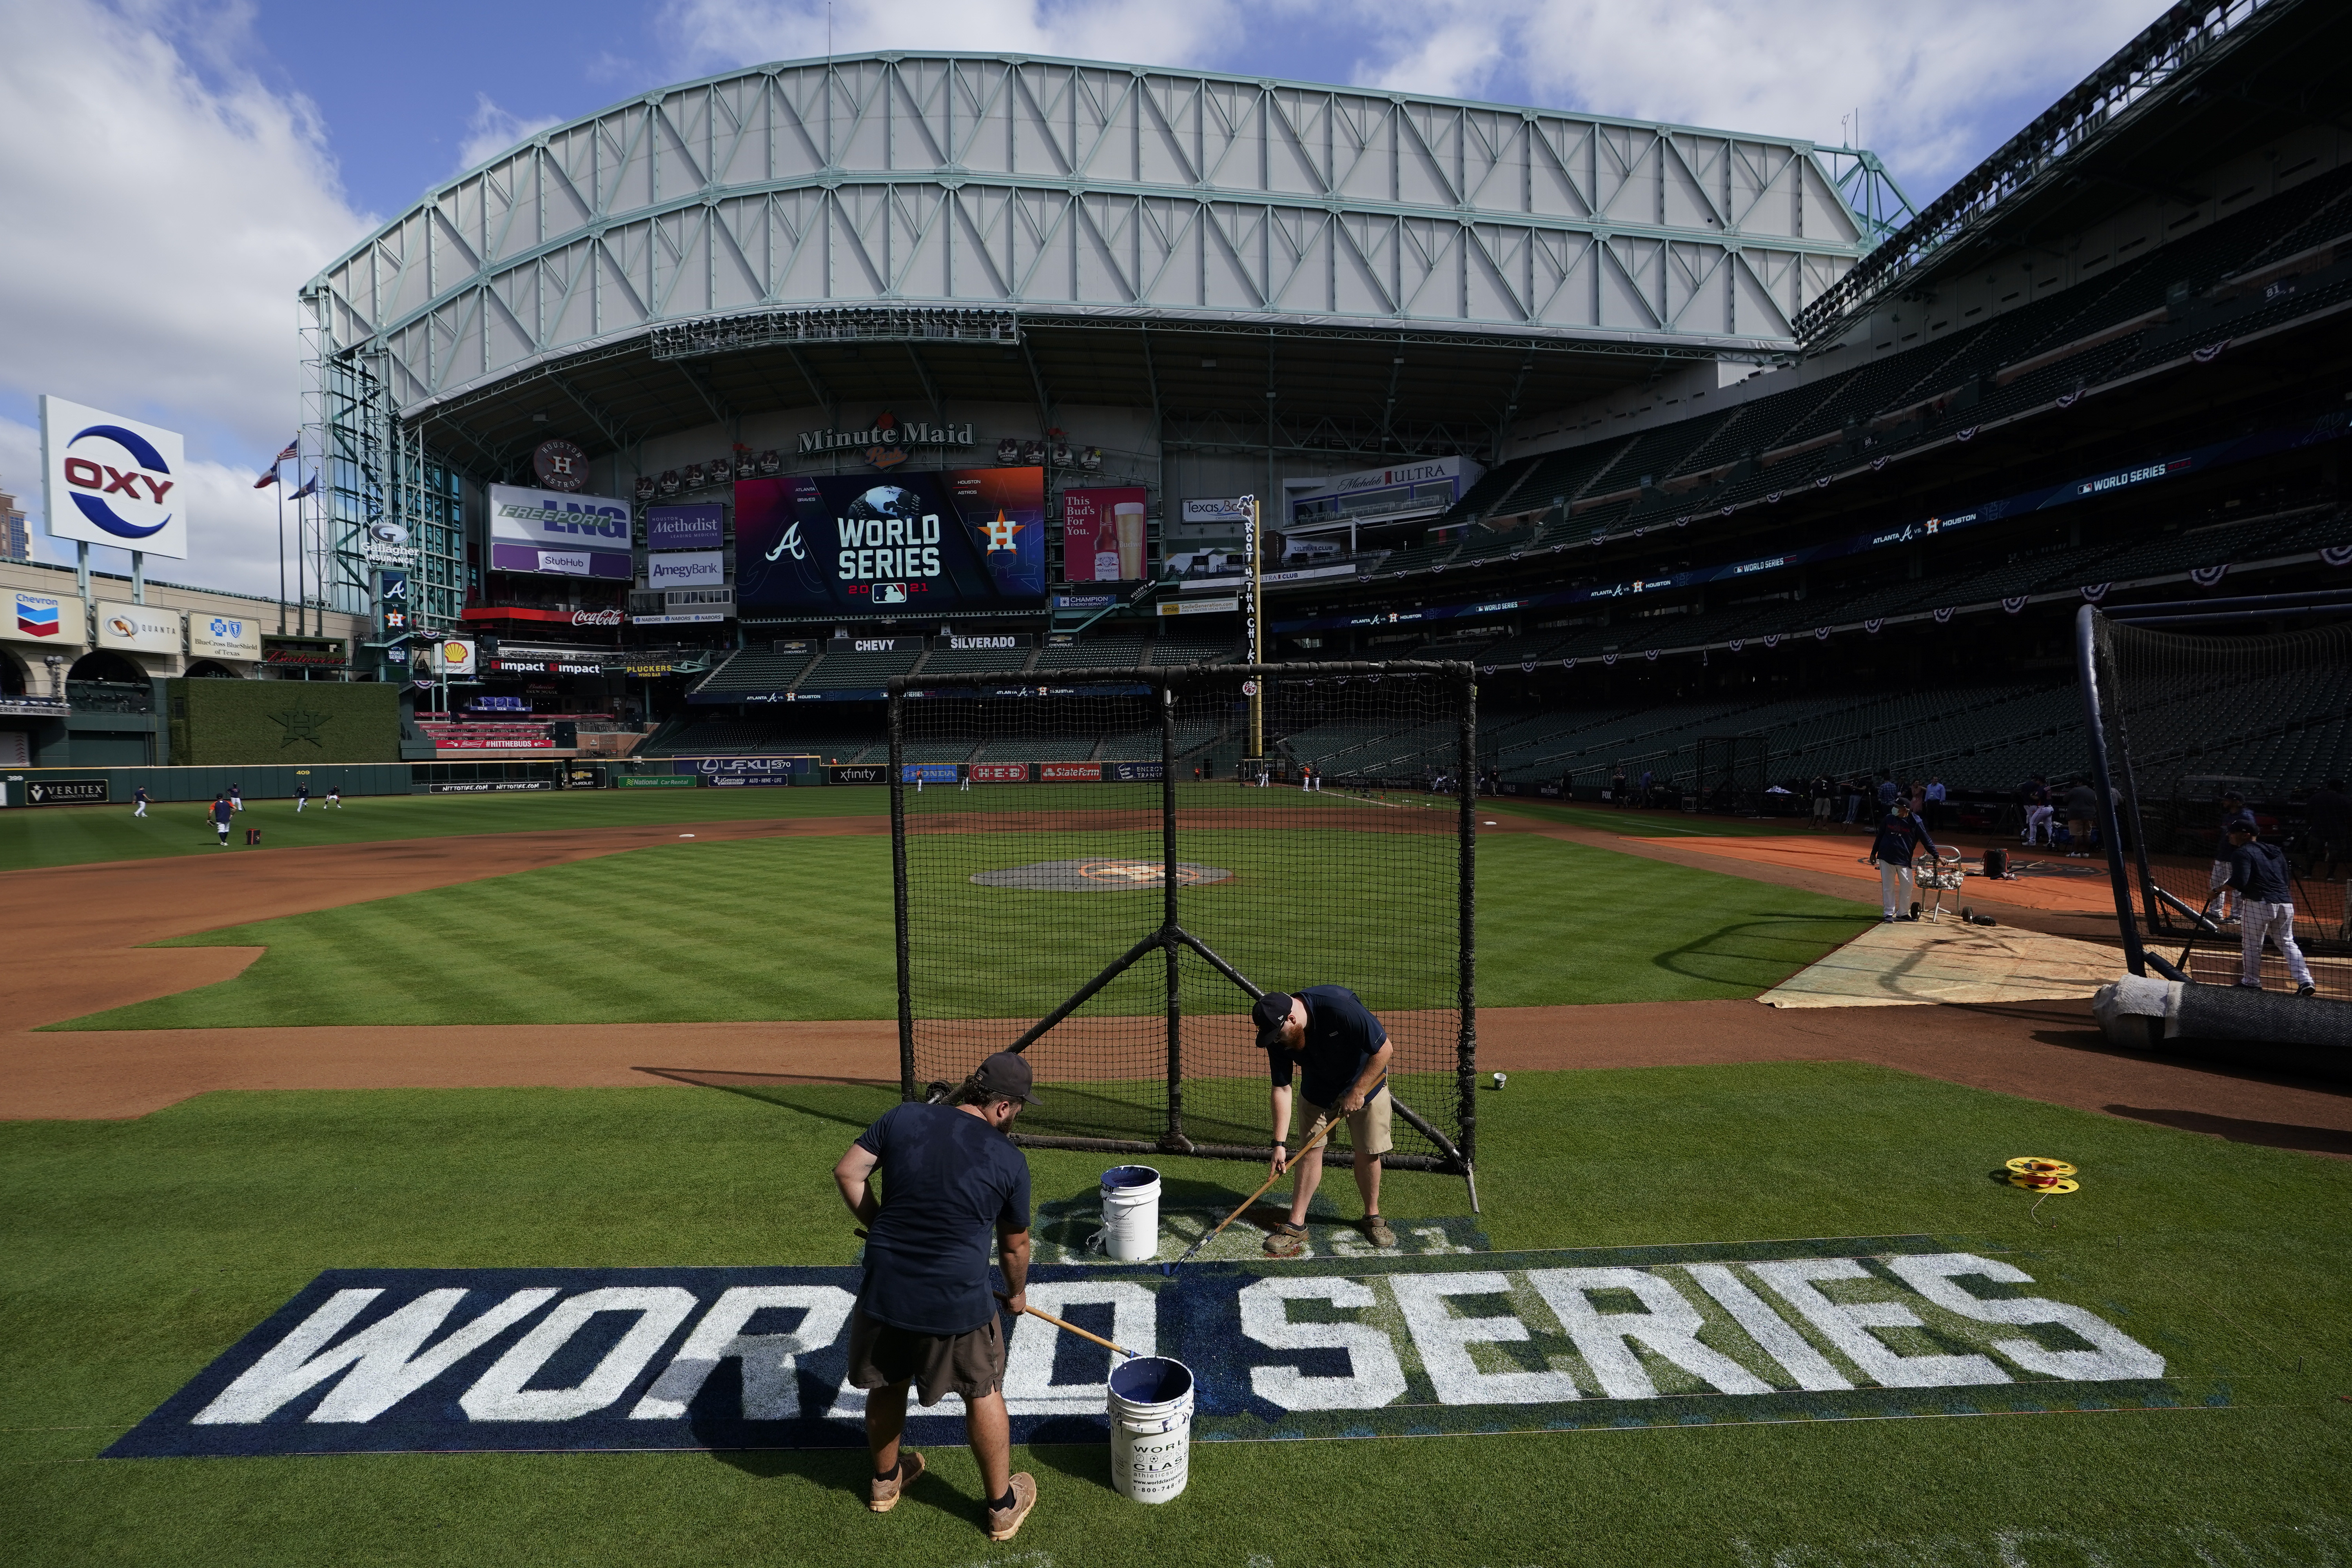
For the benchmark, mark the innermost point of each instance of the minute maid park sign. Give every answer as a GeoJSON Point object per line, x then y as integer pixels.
{"type": "Point", "coordinates": [1453, 1341]}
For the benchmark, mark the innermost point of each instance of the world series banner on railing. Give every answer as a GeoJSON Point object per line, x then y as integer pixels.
{"type": "Point", "coordinates": [1377, 1343]}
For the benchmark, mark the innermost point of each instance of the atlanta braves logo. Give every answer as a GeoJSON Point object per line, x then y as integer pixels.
{"type": "Point", "coordinates": [790, 544]}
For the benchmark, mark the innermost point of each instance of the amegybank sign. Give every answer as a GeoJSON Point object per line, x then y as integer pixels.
{"type": "Point", "coordinates": [1360, 1343]}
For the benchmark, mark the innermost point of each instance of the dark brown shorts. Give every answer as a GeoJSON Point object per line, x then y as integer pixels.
{"type": "Point", "coordinates": [970, 1363]}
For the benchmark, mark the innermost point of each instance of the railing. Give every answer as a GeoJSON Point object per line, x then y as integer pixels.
{"type": "Point", "coordinates": [110, 696]}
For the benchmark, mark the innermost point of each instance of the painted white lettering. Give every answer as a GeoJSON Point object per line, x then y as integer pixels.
{"type": "Point", "coordinates": [385, 1358]}
{"type": "Point", "coordinates": [2117, 1355]}
{"type": "Point", "coordinates": [1444, 1340]}
{"type": "Point", "coordinates": [1770, 1331]}
{"type": "Point", "coordinates": [500, 1395]}
{"type": "Point", "coordinates": [772, 1389]}
{"type": "Point", "coordinates": [1029, 1385]}
{"type": "Point", "coordinates": [1666, 1323]}
{"type": "Point", "coordinates": [1374, 1377]}
{"type": "Point", "coordinates": [1848, 1325]}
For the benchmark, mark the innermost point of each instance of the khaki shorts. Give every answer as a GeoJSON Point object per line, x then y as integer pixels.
{"type": "Point", "coordinates": [970, 1364]}
{"type": "Point", "coordinates": [1368, 1130]}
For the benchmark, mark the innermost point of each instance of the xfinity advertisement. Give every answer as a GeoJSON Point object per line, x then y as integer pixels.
{"type": "Point", "coordinates": [964, 539]}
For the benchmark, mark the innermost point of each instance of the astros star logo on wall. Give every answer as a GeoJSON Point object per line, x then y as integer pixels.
{"type": "Point", "coordinates": [300, 723]}
{"type": "Point", "coordinates": [1000, 532]}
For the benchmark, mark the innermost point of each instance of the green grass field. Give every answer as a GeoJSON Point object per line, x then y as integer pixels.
{"type": "Point", "coordinates": [139, 1250]}
{"type": "Point", "coordinates": [780, 929]}
{"type": "Point", "coordinates": [76, 835]}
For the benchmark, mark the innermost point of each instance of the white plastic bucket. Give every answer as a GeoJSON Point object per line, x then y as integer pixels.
{"type": "Point", "coordinates": [1150, 1428]}
{"type": "Point", "coordinates": [1130, 1214]}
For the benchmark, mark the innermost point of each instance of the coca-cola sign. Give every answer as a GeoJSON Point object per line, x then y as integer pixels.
{"type": "Point", "coordinates": [596, 617]}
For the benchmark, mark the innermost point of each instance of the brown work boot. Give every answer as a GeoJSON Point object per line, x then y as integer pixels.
{"type": "Point", "coordinates": [1286, 1241]}
{"type": "Point", "coordinates": [884, 1495]}
{"type": "Point", "coordinates": [1377, 1231]}
{"type": "Point", "coordinates": [1004, 1524]}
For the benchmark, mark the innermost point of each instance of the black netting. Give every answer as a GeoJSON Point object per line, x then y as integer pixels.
{"type": "Point", "coordinates": [1033, 830]}
{"type": "Point", "coordinates": [2190, 718]}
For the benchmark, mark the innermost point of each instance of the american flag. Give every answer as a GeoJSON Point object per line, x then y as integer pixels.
{"type": "Point", "coordinates": [269, 478]}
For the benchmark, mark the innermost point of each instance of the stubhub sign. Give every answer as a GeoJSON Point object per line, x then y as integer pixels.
{"type": "Point", "coordinates": [1360, 1342]}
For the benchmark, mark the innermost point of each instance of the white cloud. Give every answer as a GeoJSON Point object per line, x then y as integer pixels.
{"type": "Point", "coordinates": [1937, 85]}
{"type": "Point", "coordinates": [712, 35]}
{"type": "Point", "coordinates": [160, 223]}
{"type": "Point", "coordinates": [492, 131]}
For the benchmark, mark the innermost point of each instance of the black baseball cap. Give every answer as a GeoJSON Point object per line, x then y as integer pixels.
{"type": "Point", "coordinates": [1005, 1076]}
{"type": "Point", "coordinates": [1272, 1011]}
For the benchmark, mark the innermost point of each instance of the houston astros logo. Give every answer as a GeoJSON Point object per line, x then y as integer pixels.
{"type": "Point", "coordinates": [142, 482]}
{"type": "Point", "coordinates": [1000, 532]}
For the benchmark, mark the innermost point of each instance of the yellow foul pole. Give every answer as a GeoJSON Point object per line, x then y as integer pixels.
{"type": "Point", "coordinates": [1256, 631]}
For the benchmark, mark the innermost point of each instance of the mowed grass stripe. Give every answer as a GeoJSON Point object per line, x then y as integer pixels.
{"type": "Point", "coordinates": [79, 835]}
{"type": "Point", "coordinates": [144, 1249]}
{"type": "Point", "coordinates": [800, 929]}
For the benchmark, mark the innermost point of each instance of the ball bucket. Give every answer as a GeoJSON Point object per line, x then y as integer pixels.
{"type": "Point", "coordinates": [1150, 1428]}
{"type": "Point", "coordinates": [1130, 1214]}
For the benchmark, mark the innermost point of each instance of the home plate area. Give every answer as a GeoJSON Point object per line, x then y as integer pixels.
{"type": "Point", "coordinates": [1098, 875]}
{"type": "Point", "coordinates": [1441, 1341]}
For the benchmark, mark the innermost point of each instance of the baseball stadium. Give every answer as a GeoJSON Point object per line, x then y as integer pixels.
{"type": "Point", "coordinates": [1074, 646]}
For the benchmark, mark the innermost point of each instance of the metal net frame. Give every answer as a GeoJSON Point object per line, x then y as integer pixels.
{"type": "Point", "coordinates": [2176, 719]}
{"type": "Point", "coordinates": [1032, 829]}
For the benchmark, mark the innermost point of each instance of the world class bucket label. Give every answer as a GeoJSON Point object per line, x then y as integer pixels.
{"type": "Point", "coordinates": [405, 1359]}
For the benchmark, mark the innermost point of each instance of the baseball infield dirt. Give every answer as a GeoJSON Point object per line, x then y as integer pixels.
{"type": "Point", "coordinates": [82, 954]}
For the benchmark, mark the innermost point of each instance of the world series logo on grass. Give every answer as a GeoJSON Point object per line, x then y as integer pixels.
{"type": "Point", "coordinates": [388, 1360]}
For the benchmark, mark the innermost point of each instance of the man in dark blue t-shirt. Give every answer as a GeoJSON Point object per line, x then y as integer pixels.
{"type": "Point", "coordinates": [925, 1315]}
{"type": "Point", "coordinates": [1328, 1032]}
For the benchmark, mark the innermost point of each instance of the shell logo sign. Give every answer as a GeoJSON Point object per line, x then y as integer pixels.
{"type": "Point", "coordinates": [456, 657]}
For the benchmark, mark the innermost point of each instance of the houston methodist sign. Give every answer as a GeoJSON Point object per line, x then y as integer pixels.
{"type": "Point", "coordinates": [113, 480]}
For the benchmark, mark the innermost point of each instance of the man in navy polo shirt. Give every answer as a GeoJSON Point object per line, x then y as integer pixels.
{"type": "Point", "coordinates": [1345, 1053]}
{"type": "Point", "coordinates": [925, 1315]}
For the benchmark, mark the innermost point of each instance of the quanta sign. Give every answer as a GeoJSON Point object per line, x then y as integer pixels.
{"type": "Point", "coordinates": [113, 480]}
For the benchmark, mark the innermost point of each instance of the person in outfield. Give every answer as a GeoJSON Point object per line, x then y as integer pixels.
{"type": "Point", "coordinates": [1329, 1031]}
{"type": "Point", "coordinates": [2258, 875]}
{"type": "Point", "coordinates": [925, 1315]}
{"type": "Point", "coordinates": [220, 813]}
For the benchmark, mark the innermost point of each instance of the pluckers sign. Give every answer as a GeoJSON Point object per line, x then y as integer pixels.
{"type": "Point", "coordinates": [962, 539]}
{"type": "Point", "coordinates": [886, 442]}
{"type": "Point", "coordinates": [1365, 1344]}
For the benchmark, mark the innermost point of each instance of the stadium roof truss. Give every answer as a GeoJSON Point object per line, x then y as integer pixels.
{"type": "Point", "coordinates": [938, 185]}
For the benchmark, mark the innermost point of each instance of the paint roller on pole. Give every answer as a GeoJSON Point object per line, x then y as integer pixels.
{"type": "Point", "coordinates": [1321, 1130]}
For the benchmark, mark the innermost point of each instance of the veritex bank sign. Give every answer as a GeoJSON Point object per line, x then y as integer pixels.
{"type": "Point", "coordinates": [377, 1360]}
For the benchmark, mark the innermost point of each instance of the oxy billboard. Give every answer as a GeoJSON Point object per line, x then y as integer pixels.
{"type": "Point", "coordinates": [113, 480]}
{"type": "Point", "coordinates": [963, 538]}
{"type": "Point", "coordinates": [553, 534]}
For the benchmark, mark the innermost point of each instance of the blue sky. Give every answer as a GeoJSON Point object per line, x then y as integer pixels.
{"type": "Point", "coordinates": [172, 171]}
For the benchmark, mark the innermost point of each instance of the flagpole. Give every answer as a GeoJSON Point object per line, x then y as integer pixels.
{"type": "Point", "coordinates": [277, 483]}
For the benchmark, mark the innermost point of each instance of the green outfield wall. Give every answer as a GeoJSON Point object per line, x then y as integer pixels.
{"type": "Point", "coordinates": [245, 723]}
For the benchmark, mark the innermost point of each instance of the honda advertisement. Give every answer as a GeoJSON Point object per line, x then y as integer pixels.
{"type": "Point", "coordinates": [963, 538]}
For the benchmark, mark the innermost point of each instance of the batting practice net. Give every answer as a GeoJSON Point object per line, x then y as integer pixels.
{"type": "Point", "coordinates": [1033, 828]}
{"type": "Point", "coordinates": [2190, 720]}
